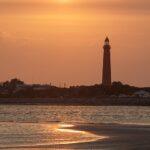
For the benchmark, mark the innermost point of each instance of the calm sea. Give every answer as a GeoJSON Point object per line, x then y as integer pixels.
{"type": "Point", "coordinates": [27, 125]}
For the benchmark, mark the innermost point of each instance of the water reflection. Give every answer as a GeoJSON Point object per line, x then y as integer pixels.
{"type": "Point", "coordinates": [69, 135]}
{"type": "Point", "coordinates": [17, 135]}
{"type": "Point", "coordinates": [65, 128]}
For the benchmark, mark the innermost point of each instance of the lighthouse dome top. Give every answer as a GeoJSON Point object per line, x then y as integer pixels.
{"type": "Point", "coordinates": [107, 39]}
{"type": "Point", "coordinates": [106, 43]}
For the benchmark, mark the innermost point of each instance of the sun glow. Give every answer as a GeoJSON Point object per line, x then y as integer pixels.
{"type": "Point", "coordinates": [64, 1]}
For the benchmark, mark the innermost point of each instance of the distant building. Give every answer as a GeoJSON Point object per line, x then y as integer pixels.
{"type": "Point", "coordinates": [142, 93]}
{"type": "Point", "coordinates": [123, 96]}
{"type": "Point", "coordinates": [40, 87]}
{"type": "Point", "coordinates": [106, 77]}
{"type": "Point", "coordinates": [20, 87]}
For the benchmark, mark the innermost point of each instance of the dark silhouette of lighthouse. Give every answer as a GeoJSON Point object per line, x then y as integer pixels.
{"type": "Point", "coordinates": [106, 79]}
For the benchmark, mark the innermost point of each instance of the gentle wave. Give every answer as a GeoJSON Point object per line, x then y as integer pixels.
{"type": "Point", "coordinates": [24, 135]}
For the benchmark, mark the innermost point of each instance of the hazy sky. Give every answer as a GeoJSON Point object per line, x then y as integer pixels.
{"type": "Point", "coordinates": [57, 41]}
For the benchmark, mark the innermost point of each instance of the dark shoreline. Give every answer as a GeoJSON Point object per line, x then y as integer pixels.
{"type": "Point", "coordinates": [107, 101]}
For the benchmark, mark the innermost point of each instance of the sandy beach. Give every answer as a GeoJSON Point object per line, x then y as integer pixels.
{"type": "Point", "coordinates": [119, 137]}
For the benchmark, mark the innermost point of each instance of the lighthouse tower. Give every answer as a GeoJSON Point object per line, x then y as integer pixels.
{"type": "Point", "coordinates": [106, 77]}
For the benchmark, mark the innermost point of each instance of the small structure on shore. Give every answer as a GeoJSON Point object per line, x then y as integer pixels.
{"type": "Point", "coordinates": [142, 94]}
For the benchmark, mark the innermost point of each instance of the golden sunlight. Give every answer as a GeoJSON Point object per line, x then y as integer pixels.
{"type": "Point", "coordinates": [64, 1]}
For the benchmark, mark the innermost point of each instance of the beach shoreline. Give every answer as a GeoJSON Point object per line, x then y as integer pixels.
{"type": "Point", "coordinates": [117, 137]}
{"type": "Point", "coordinates": [38, 127]}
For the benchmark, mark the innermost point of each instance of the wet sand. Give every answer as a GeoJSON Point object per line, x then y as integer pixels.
{"type": "Point", "coordinates": [120, 137]}
{"type": "Point", "coordinates": [117, 137]}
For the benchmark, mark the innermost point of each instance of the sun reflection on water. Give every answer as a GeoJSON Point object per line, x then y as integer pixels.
{"type": "Point", "coordinates": [45, 134]}
{"type": "Point", "coordinates": [70, 135]}
{"type": "Point", "coordinates": [65, 128]}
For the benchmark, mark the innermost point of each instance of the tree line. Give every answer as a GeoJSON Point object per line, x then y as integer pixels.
{"type": "Point", "coordinates": [16, 88]}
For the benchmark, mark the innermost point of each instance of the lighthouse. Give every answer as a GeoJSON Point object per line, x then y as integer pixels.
{"type": "Point", "coordinates": [106, 76]}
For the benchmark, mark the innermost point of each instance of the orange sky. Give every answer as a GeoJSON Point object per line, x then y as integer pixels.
{"type": "Point", "coordinates": [61, 41]}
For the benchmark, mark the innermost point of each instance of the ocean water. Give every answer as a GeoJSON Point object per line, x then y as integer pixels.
{"type": "Point", "coordinates": [24, 126]}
